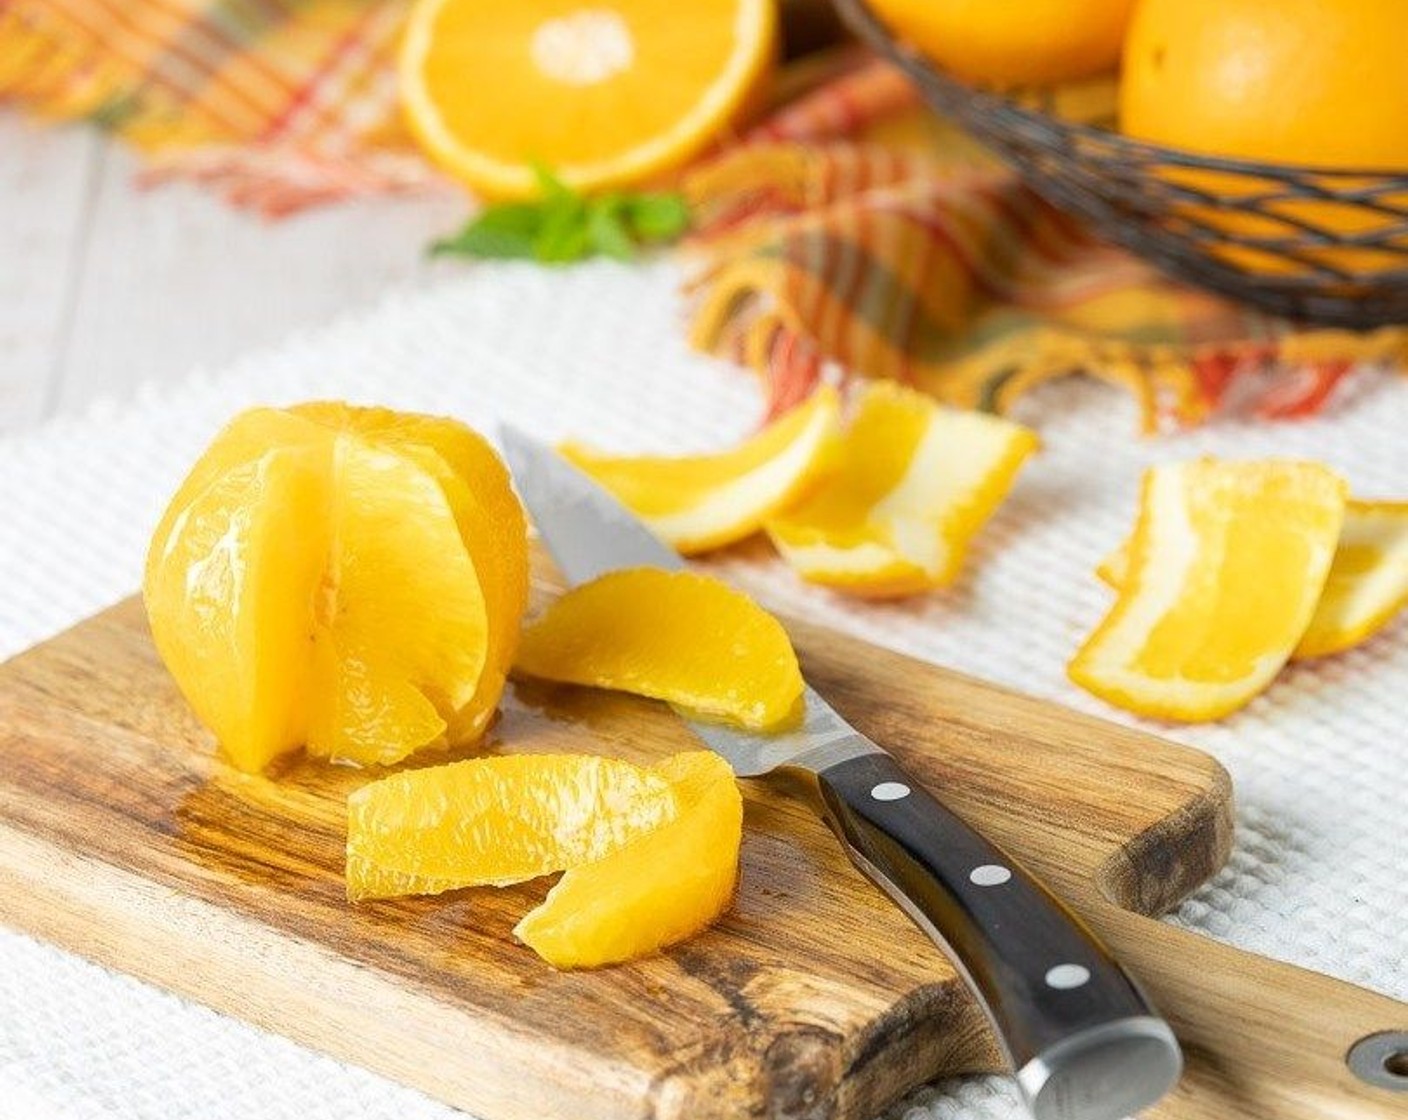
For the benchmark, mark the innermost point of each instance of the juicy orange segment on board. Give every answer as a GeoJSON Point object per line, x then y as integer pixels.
{"type": "Point", "coordinates": [1367, 586]}
{"type": "Point", "coordinates": [603, 94]}
{"type": "Point", "coordinates": [685, 638]}
{"type": "Point", "coordinates": [1226, 566]}
{"type": "Point", "coordinates": [914, 483]}
{"type": "Point", "coordinates": [494, 821]}
{"type": "Point", "coordinates": [658, 889]}
{"type": "Point", "coordinates": [349, 579]}
{"type": "Point", "coordinates": [707, 501]}
{"type": "Point", "coordinates": [650, 854]}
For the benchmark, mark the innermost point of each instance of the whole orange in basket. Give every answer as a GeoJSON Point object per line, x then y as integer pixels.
{"type": "Point", "coordinates": [1300, 82]}
{"type": "Point", "coordinates": [1307, 82]}
{"type": "Point", "coordinates": [602, 94]}
{"type": "Point", "coordinates": [1012, 42]}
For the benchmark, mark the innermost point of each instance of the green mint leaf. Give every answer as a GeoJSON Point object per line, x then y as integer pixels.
{"type": "Point", "coordinates": [564, 236]}
{"type": "Point", "coordinates": [606, 225]}
{"type": "Point", "coordinates": [659, 216]}
{"type": "Point", "coordinates": [507, 231]}
{"type": "Point", "coordinates": [550, 187]}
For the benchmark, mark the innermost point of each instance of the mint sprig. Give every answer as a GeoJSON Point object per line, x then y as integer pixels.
{"type": "Point", "coordinates": [562, 226]}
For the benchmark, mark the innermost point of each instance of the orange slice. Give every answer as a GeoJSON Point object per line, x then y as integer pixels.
{"type": "Point", "coordinates": [343, 578]}
{"type": "Point", "coordinates": [660, 888]}
{"type": "Point", "coordinates": [1226, 566]}
{"type": "Point", "coordinates": [1367, 586]}
{"type": "Point", "coordinates": [685, 638]}
{"type": "Point", "coordinates": [496, 821]}
{"type": "Point", "coordinates": [603, 94]}
{"type": "Point", "coordinates": [707, 501]}
{"type": "Point", "coordinates": [914, 483]}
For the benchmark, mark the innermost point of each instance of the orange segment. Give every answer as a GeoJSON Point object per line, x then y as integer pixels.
{"type": "Point", "coordinates": [495, 821]}
{"type": "Point", "coordinates": [602, 93]}
{"type": "Point", "coordinates": [1365, 590]}
{"type": "Point", "coordinates": [685, 638]}
{"type": "Point", "coordinates": [1226, 565]}
{"type": "Point", "coordinates": [229, 592]}
{"type": "Point", "coordinates": [401, 625]}
{"type": "Point", "coordinates": [706, 501]}
{"type": "Point", "coordinates": [658, 889]}
{"type": "Point", "coordinates": [327, 575]}
{"type": "Point", "coordinates": [490, 520]}
{"type": "Point", "coordinates": [914, 483]}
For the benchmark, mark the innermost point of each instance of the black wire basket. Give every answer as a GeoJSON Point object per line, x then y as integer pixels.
{"type": "Point", "coordinates": [1319, 245]}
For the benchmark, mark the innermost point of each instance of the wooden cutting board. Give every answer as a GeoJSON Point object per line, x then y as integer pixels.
{"type": "Point", "coordinates": [125, 839]}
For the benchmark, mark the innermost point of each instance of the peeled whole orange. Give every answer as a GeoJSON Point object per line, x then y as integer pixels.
{"type": "Point", "coordinates": [347, 579]}
{"type": "Point", "coordinates": [1013, 42]}
{"type": "Point", "coordinates": [603, 94]}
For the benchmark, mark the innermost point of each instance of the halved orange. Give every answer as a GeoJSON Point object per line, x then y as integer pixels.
{"type": "Point", "coordinates": [915, 481]}
{"type": "Point", "coordinates": [1226, 566]}
{"type": "Point", "coordinates": [1367, 586]}
{"type": "Point", "coordinates": [700, 502]}
{"type": "Point", "coordinates": [496, 821]}
{"type": "Point", "coordinates": [682, 637]}
{"type": "Point", "coordinates": [602, 94]}
{"type": "Point", "coordinates": [344, 578]}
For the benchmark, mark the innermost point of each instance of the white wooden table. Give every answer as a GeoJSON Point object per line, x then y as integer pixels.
{"type": "Point", "coordinates": [104, 286]}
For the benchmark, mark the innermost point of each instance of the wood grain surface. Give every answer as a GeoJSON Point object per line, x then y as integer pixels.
{"type": "Point", "coordinates": [123, 837]}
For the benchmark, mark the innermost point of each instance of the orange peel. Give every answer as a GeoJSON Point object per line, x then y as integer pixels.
{"type": "Point", "coordinates": [1367, 587]}
{"type": "Point", "coordinates": [914, 483]}
{"type": "Point", "coordinates": [700, 502]}
{"type": "Point", "coordinates": [1226, 566]}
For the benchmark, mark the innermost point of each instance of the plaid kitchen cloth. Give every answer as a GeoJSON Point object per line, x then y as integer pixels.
{"type": "Point", "coordinates": [277, 104]}
{"type": "Point", "coordinates": [851, 230]}
{"type": "Point", "coordinates": [854, 231]}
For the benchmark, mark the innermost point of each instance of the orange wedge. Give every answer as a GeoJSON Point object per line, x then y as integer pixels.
{"type": "Point", "coordinates": [914, 483]}
{"type": "Point", "coordinates": [1226, 566]}
{"type": "Point", "coordinates": [651, 855]}
{"type": "Point", "coordinates": [1367, 586]}
{"type": "Point", "coordinates": [495, 821]}
{"type": "Point", "coordinates": [707, 501]}
{"type": "Point", "coordinates": [658, 889]}
{"type": "Point", "coordinates": [349, 579]}
{"type": "Point", "coordinates": [685, 638]}
{"type": "Point", "coordinates": [603, 94]}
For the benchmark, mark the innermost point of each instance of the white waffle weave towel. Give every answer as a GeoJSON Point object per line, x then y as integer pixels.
{"type": "Point", "coordinates": [1319, 760]}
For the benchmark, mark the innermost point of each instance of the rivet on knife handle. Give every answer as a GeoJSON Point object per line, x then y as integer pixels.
{"type": "Point", "coordinates": [1083, 1039]}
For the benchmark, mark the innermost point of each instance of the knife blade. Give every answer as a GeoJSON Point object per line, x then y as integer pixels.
{"type": "Point", "coordinates": [1083, 1040]}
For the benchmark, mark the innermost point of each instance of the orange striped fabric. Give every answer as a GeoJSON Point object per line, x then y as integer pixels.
{"type": "Point", "coordinates": [279, 104]}
{"type": "Point", "coordinates": [853, 232]}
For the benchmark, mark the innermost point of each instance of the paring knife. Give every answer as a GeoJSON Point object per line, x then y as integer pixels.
{"type": "Point", "coordinates": [1082, 1039]}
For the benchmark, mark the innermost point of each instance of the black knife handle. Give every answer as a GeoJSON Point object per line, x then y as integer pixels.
{"type": "Point", "coordinates": [1083, 1039]}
